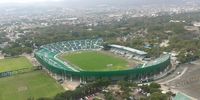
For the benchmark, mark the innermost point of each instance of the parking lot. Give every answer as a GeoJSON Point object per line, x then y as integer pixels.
{"type": "Point", "coordinates": [189, 82]}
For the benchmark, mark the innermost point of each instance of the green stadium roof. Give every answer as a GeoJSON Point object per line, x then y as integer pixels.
{"type": "Point", "coordinates": [180, 96]}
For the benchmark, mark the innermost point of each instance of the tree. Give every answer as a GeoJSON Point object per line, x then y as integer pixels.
{"type": "Point", "coordinates": [158, 96]}
{"type": "Point", "coordinates": [154, 85]}
{"type": "Point", "coordinates": [109, 96]}
{"type": "Point", "coordinates": [85, 90]}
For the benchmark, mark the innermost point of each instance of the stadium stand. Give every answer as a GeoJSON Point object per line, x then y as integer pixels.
{"type": "Point", "coordinates": [156, 61]}
{"type": "Point", "coordinates": [49, 52]}
{"type": "Point", "coordinates": [46, 55]}
{"type": "Point", "coordinates": [128, 52]}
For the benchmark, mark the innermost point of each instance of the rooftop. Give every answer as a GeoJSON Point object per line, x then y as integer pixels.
{"type": "Point", "coordinates": [129, 49]}
{"type": "Point", "coordinates": [180, 96]}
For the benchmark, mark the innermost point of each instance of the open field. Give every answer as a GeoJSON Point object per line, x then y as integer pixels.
{"type": "Point", "coordinates": [33, 84]}
{"type": "Point", "coordinates": [9, 64]}
{"type": "Point", "coordinates": [95, 61]}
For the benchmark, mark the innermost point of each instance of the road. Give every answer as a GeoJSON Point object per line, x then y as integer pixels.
{"type": "Point", "coordinates": [166, 88]}
{"type": "Point", "coordinates": [183, 72]}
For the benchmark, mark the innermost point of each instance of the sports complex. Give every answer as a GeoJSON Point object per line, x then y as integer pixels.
{"type": "Point", "coordinates": [87, 59]}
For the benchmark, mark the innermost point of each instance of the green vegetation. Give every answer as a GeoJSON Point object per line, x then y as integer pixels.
{"type": "Point", "coordinates": [126, 88]}
{"type": "Point", "coordinates": [152, 88]}
{"type": "Point", "coordinates": [126, 91]}
{"type": "Point", "coordinates": [30, 85]}
{"type": "Point", "coordinates": [158, 96]}
{"type": "Point", "coordinates": [93, 61]}
{"type": "Point", "coordinates": [9, 64]}
{"type": "Point", "coordinates": [82, 91]}
{"type": "Point", "coordinates": [3, 37]}
{"type": "Point", "coordinates": [139, 31]}
{"type": "Point", "coordinates": [188, 48]}
{"type": "Point", "coordinates": [16, 49]}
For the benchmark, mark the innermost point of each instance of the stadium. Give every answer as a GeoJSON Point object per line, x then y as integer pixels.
{"type": "Point", "coordinates": [87, 59]}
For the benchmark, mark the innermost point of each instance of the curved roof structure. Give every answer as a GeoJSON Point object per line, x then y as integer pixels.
{"type": "Point", "coordinates": [46, 55]}
{"type": "Point", "coordinates": [139, 52]}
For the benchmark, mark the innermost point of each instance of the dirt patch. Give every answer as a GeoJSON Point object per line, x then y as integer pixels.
{"type": "Point", "coordinates": [31, 59]}
{"type": "Point", "coordinates": [22, 88]}
{"type": "Point", "coordinates": [70, 85]}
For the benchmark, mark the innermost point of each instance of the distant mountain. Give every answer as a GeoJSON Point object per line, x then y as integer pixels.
{"type": "Point", "coordinates": [115, 3]}
{"type": "Point", "coordinates": [128, 3]}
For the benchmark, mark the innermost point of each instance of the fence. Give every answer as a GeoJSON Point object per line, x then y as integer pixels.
{"type": "Point", "coordinates": [14, 72]}
{"type": "Point", "coordinates": [134, 73]}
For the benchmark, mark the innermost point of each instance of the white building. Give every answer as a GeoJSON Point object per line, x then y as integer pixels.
{"type": "Point", "coordinates": [197, 24]}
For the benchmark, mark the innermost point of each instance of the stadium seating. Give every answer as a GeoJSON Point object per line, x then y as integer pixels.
{"type": "Point", "coordinates": [128, 52]}
{"type": "Point", "coordinates": [47, 56]}
{"type": "Point", "coordinates": [48, 52]}
{"type": "Point", "coordinates": [75, 45]}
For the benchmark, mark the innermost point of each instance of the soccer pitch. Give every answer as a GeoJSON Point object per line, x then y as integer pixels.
{"type": "Point", "coordinates": [23, 86]}
{"type": "Point", "coordinates": [9, 64]}
{"type": "Point", "coordinates": [95, 61]}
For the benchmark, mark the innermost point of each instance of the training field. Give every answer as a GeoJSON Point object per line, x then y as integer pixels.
{"type": "Point", "coordinates": [9, 64]}
{"type": "Point", "coordinates": [95, 61]}
{"type": "Point", "coordinates": [22, 86]}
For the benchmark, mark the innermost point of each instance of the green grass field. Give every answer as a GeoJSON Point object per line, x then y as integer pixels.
{"type": "Point", "coordinates": [95, 61]}
{"type": "Point", "coordinates": [10, 64]}
{"type": "Point", "coordinates": [33, 84]}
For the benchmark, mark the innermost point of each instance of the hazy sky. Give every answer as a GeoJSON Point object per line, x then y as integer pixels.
{"type": "Point", "coordinates": [94, 3]}
{"type": "Point", "coordinates": [24, 1]}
